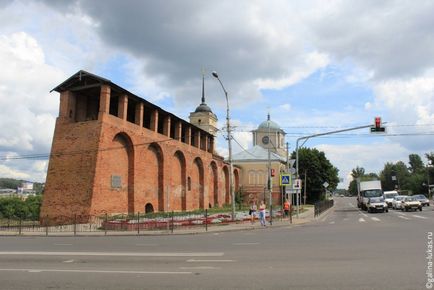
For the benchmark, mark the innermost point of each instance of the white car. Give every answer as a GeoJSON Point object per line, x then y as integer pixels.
{"type": "Point", "coordinates": [396, 202]}
{"type": "Point", "coordinates": [377, 204]}
{"type": "Point", "coordinates": [410, 203]}
{"type": "Point", "coordinates": [389, 196]}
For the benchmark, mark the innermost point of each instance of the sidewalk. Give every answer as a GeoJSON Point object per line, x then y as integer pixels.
{"type": "Point", "coordinates": [303, 218]}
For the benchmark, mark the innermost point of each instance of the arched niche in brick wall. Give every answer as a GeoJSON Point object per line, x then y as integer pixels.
{"type": "Point", "coordinates": [213, 185]}
{"type": "Point", "coordinates": [198, 183]}
{"type": "Point", "coordinates": [178, 179]}
{"type": "Point", "coordinates": [226, 196]}
{"type": "Point", "coordinates": [155, 174]}
{"type": "Point", "coordinates": [121, 159]}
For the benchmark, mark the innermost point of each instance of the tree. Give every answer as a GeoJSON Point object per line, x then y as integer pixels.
{"type": "Point", "coordinates": [416, 164]}
{"type": "Point", "coordinates": [359, 173]}
{"type": "Point", "coordinates": [319, 170]}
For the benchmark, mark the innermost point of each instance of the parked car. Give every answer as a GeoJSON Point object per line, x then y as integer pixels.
{"type": "Point", "coordinates": [375, 204]}
{"type": "Point", "coordinates": [410, 203]}
{"type": "Point", "coordinates": [422, 198]}
{"type": "Point", "coordinates": [396, 202]}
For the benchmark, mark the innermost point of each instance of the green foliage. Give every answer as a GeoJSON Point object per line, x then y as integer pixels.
{"type": "Point", "coordinates": [416, 164]}
{"type": "Point", "coordinates": [16, 208]}
{"type": "Point", "coordinates": [10, 183]}
{"type": "Point", "coordinates": [359, 173]}
{"type": "Point", "coordinates": [318, 170]}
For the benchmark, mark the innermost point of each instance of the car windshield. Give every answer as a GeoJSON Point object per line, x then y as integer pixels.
{"type": "Point", "coordinates": [372, 193]}
{"type": "Point", "coordinates": [390, 195]}
{"type": "Point", "coordinates": [399, 197]}
{"type": "Point", "coordinates": [420, 196]}
{"type": "Point", "coordinates": [410, 198]}
{"type": "Point", "coordinates": [377, 199]}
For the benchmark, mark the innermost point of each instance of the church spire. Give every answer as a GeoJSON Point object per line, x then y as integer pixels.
{"type": "Point", "coordinates": [203, 88]}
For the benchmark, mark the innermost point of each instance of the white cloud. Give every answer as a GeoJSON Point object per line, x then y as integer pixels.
{"type": "Point", "coordinates": [28, 110]}
{"type": "Point", "coordinates": [371, 157]}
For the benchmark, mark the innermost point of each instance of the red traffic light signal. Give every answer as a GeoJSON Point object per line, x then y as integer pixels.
{"type": "Point", "coordinates": [377, 126]}
{"type": "Point", "coordinates": [272, 172]}
{"type": "Point", "coordinates": [377, 122]}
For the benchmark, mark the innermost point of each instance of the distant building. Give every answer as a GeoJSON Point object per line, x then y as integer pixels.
{"type": "Point", "coordinates": [268, 146]}
{"type": "Point", "coordinates": [7, 192]}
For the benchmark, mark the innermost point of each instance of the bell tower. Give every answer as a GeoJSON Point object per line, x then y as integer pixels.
{"type": "Point", "coordinates": [203, 117]}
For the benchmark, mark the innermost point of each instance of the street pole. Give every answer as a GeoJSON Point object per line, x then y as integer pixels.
{"type": "Point", "coordinates": [228, 129]}
{"type": "Point", "coordinates": [270, 186]}
{"type": "Point", "coordinates": [305, 138]}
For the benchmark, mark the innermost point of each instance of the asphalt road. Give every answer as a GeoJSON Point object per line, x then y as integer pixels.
{"type": "Point", "coordinates": [343, 249]}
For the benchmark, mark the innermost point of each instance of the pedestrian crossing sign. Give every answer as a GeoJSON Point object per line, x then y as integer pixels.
{"type": "Point", "coordinates": [285, 179]}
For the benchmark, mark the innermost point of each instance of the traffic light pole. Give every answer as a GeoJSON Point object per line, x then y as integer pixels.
{"type": "Point", "coordinates": [305, 138]}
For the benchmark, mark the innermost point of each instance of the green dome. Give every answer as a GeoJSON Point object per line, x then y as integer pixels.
{"type": "Point", "coordinates": [273, 126]}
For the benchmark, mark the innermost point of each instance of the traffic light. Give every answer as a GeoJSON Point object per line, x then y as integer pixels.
{"type": "Point", "coordinates": [377, 126]}
{"type": "Point", "coordinates": [272, 172]}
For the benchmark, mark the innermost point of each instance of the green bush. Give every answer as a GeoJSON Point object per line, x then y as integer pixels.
{"type": "Point", "coordinates": [16, 208]}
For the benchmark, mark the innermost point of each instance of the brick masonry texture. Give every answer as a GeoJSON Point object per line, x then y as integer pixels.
{"type": "Point", "coordinates": [101, 163]}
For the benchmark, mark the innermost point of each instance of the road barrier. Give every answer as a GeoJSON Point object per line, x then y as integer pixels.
{"type": "Point", "coordinates": [322, 206]}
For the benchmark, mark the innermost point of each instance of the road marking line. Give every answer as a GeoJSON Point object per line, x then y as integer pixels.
{"type": "Point", "coordinates": [375, 219]}
{"type": "Point", "coordinates": [331, 222]}
{"type": "Point", "coordinates": [63, 244]}
{"type": "Point", "coordinates": [209, 261]}
{"type": "Point", "coordinates": [93, 271]}
{"type": "Point", "coordinates": [345, 219]}
{"type": "Point", "coordinates": [420, 217]}
{"type": "Point", "coordinates": [361, 220]}
{"type": "Point", "coordinates": [364, 214]}
{"type": "Point", "coordinates": [146, 245]}
{"type": "Point", "coordinates": [403, 217]}
{"type": "Point", "coordinates": [200, 268]}
{"type": "Point", "coordinates": [68, 261]}
{"type": "Point", "coordinates": [244, 244]}
{"type": "Point", "coordinates": [125, 254]}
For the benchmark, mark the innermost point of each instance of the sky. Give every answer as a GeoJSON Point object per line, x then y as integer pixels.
{"type": "Point", "coordinates": [315, 66]}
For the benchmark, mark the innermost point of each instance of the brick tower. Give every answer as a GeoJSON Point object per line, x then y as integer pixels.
{"type": "Point", "coordinates": [114, 152]}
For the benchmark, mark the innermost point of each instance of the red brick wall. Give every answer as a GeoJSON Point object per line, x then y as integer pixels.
{"type": "Point", "coordinates": [145, 161]}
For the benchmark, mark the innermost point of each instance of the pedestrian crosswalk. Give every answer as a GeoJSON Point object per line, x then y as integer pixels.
{"type": "Point", "coordinates": [366, 218]}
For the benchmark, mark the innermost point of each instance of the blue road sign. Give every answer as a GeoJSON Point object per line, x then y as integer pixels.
{"type": "Point", "coordinates": [285, 180]}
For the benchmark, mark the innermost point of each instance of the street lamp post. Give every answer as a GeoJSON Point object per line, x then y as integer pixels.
{"type": "Point", "coordinates": [228, 128]}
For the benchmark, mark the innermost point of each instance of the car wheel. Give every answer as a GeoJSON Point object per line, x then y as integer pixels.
{"type": "Point", "coordinates": [420, 209]}
{"type": "Point", "coordinates": [369, 209]}
{"type": "Point", "coordinates": [387, 210]}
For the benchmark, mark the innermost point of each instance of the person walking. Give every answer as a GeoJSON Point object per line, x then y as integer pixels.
{"type": "Point", "coordinates": [262, 208]}
{"type": "Point", "coordinates": [286, 207]}
{"type": "Point", "coordinates": [252, 211]}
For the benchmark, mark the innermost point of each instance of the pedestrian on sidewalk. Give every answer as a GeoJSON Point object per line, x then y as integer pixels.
{"type": "Point", "coordinates": [252, 211]}
{"type": "Point", "coordinates": [286, 207]}
{"type": "Point", "coordinates": [262, 208]}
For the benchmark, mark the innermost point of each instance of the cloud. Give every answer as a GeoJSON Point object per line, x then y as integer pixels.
{"type": "Point", "coordinates": [28, 110]}
{"type": "Point", "coordinates": [391, 38]}
{"type": "Point", "coordinates": [372, 157]}
{"type": "Point", "coordinates": [409, 102]}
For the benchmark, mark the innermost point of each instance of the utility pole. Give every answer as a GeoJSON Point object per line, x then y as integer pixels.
{"type": "Point", "coordinates": [304, 187]}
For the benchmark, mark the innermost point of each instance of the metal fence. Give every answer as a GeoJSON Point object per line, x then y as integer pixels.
{"type": "Point", "coordinates": [322, 206]}
{"type": "Point", "coordinates": [118, 224]}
